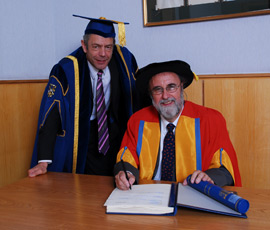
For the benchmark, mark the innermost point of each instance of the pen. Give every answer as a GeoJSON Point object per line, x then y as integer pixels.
{"type": "Point", "coordinates": [124, 168]}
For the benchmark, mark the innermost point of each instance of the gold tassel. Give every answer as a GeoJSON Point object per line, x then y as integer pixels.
{"type": "Point", "coordinates": [195, 76]}
{"type": "Point", "coordinates": [121, 31]}
{"type": "Point", "coordinates": [121, 34]}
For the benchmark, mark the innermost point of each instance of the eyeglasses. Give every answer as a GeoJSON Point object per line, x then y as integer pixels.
{"type": "Point", "coordinates": [171, 88]}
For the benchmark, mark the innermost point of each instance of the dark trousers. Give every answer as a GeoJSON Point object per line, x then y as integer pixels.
{"type": "Point", "coordinates": [97, 163]}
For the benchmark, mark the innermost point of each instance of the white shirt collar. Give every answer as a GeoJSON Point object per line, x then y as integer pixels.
{"type": "Point", "coordinates": [94, 71]}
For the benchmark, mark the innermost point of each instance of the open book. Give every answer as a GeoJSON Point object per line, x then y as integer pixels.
{"type": "Point", "coordinates": [163, 199]}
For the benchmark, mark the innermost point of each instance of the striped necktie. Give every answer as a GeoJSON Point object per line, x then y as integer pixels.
{"type": "Point", "coordinates": [168, 155]}
{"type": "Point", "coordinates": [103, 133]}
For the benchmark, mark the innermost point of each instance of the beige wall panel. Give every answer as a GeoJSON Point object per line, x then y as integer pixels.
{"type": "Point", "coordinates": [244, 102]}
{"type": "Point", "coordinates": [18, 122]}
{"type": "Point", "coordinates": [194, 92]}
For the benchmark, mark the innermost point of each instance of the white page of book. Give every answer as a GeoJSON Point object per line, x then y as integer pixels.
{"type": "Point", "coordinates": [188, 196]}
{"type": "Point", "coordinates": [144, 198]}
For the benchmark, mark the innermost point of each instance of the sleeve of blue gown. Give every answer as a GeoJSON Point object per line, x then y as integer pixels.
{"type": "Point", "coordinates": [47, 135]}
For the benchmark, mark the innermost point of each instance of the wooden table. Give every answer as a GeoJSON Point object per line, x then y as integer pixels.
{"type": "Point", "coordinates": [68, 201]}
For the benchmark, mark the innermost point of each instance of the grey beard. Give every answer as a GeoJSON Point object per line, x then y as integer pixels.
{"type": "Point", "coordinates": [168, 112]}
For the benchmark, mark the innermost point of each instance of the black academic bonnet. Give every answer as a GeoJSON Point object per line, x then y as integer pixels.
{"type": "Point", "coordinates": [143, 76]}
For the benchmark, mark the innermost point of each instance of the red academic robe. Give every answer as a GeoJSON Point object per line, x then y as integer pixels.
{"type": "Point", "coordinates": [201, 142]}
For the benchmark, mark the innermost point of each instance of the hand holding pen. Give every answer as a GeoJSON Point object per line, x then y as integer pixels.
{"type": "Point", "coordinates": [124, 168]}
{"type": "Point", "coordinates": [123, 179]}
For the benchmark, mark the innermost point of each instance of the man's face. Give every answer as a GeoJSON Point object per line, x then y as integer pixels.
{"type": "Point", "coordinates": [98, 50]}
{"type": "Point", "coordinates": [167, 94]}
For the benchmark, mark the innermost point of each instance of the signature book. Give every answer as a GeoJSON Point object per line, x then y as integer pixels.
{"type": "Point", "coordinates": [163, 199]}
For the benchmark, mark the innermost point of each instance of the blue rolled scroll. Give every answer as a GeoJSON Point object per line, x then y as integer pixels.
{"type": "Point", "coordinates": [228, 198]}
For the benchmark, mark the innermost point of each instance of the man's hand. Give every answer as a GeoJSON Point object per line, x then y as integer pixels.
{"type": "Point", "coordinates": [122, 182]}
{"type": "Point", "coordinates": [197, 177]}
{"type": "Point", "coordinates": [40, 168]}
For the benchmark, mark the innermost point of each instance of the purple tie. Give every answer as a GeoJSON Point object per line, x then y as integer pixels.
{"type": "Point", "coordinates": [168, 155]}
{"type": "Point", "coordinates": [103, 133]}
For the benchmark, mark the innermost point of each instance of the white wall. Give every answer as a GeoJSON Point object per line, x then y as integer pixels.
{"type": "Point", "coordinates": [35, 34]}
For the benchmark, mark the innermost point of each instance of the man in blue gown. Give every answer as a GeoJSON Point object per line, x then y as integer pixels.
{"type": "Point", "coordinates": [67, 135]}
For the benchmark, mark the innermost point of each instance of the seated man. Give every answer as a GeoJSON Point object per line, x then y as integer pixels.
{"type": "Point", "coordinates": [197, 140]}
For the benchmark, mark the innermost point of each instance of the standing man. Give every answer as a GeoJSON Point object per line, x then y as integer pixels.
{"type": "Point", "coordinates": [86, 105]}
{"type": "Point", "coordinates": [173, 138]}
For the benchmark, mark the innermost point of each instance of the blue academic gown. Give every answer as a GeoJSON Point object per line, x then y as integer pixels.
{"type": "Point", "coordinates": [69, 88]}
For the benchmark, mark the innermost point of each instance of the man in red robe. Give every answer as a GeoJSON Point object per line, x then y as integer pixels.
{"type": "Point", "coordinates": [201, 144]}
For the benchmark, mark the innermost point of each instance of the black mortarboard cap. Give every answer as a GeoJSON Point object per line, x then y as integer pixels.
{"type": "Point", "coordinates": [143, 76]}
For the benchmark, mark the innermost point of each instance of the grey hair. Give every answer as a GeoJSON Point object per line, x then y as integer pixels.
{"type": "Point", "coordinates": [86, 39]}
